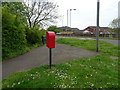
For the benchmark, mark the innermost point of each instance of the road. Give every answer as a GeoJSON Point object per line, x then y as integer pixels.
{"type": "Point", "coordinates": [115, 42]}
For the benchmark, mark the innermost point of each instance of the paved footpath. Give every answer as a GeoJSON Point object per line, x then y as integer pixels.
{"type": "Point", "coordinates": [40, 56]}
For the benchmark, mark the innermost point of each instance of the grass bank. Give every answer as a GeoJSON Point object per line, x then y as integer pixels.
{"type": "Point", "coordinates": [104, 47]}
{"type": "Point", "coordinates": [99, 71]}
{"type": "Point", "coordinates": [111, 38]}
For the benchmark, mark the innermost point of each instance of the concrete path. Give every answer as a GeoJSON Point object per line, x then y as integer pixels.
{"type": "Point", "coordinates": [39, 56]}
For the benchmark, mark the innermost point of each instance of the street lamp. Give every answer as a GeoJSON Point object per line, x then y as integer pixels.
{"type": "Point", "coordinates": [70, 15]}
{"type": "Point", "coordinates": [119, 14]}
{"type": "Point", "coordinates": [70, 18]}
{"type": "Point", "coordinates": [67, 16]}
{"type": "Point", "coordinates": [97, 29]}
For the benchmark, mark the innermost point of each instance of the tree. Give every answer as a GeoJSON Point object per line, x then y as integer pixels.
{"type": "Point", "coordinates": [13, 34]}
{"type": "Point", "coordinates": [54, 29]}
{"type": "Point", "coordinates": [18, 9]}
{"type": "Point", "coordinates": [115, 26]}
{"type": "Point", "coordinates": [40, 12]}
{"type": "Point", "coordinates": [115, 23]}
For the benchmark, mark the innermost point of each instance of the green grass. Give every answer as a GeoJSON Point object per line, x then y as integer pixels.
{"type": "Point", "coordinates": [99, 71]}
{"type": "Point", "coordinates": [104, 47]}
{"type": "Point", "coordinates": [112, 38]}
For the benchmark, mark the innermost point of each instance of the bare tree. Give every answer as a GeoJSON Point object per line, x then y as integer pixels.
{"type": "Point", "coordinates": [40, 12]}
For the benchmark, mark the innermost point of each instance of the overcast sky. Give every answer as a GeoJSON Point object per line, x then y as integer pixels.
{"type": "Point", "coordinates": [85, 13]}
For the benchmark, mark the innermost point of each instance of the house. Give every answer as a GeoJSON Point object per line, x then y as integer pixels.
{"type": "Point", "coordinates": [74, 29]}
{"type": "Point", "coordinates": [67, 30]}
{"type": "Point", "coordinates": [64, 29]}
{"type": "Point", "coordinates": [102, 30]}
{"type": "Point", "coordinates": [78, 32]}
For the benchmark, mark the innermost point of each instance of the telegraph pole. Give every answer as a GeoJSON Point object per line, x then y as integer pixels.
{"type": "Point", "coordinates": [67, 17]}
{"type": "Point", "coordinates": [119, 15]}
{"type": "Point", "coordinates": [97, 29]}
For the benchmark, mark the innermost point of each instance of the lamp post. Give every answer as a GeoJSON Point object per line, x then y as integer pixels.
{"type": "Point", "coordinates": [97, 29]}
{"type": "Point", "coordinates": [119, 15]}
{"type": "Point", "coordinates": [70, 18]}
{"type": "Point", "coordinates": [67, 17]}
{"type": "Point", "coordinates": [70, 15]}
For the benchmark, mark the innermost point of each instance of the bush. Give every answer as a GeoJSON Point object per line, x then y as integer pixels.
{"type": "Point", "coordinates": [34, 36]}
{"type": "Point", "coordinates": [54, 29]}
{"type": "Point", "coordinates": [13, 35]}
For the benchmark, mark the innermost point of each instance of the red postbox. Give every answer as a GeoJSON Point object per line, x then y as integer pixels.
{"type": "Point", "coordinates": [50, 39]}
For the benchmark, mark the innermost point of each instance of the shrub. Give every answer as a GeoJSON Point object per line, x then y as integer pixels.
{"type": "Point", "coordinates": [13, 35]}
{"type": "Point", "coordinates": [34, 36]}
{"type": "Point", "coordinates": [54, 29]}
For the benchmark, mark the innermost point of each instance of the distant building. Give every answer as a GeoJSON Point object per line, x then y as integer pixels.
{"type": "Point", "coordinates": [74, 29]}
{"type": "Point", "coordinates": [64, 29]}
{"type": "Point", "coordinates": [67, 30]}
{"type": "Point", "coordinates": [102, 30]}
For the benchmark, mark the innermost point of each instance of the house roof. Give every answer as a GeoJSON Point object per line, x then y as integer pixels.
{"type": "Point", "coordinates": [75, 29]}
{"type": "Point", "coordinates": [94, 27]}
{"type": "Point", "coordinates": [65, 27]}
{"type": "Point", "coordinates": [68, 28]}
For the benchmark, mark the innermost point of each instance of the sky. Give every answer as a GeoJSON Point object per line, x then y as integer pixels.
{"type": "Point", "coordinates": [86, 12]}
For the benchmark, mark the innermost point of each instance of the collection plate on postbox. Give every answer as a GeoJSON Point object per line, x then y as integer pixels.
{"type": "Point", "coordinates": [50, 39]}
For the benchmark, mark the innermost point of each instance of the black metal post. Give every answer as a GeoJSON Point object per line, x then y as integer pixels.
{"type": "Point", "coordinates": [97, 29]}
{"type": "Point", "coordinates": [50, 54]}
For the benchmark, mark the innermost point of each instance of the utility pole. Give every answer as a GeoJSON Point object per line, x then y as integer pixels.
{"type": "Point", "coordinates": [97, 29]}
{"type": "Point", "coordinates": [70, 15]}
{"type": "Point", "coordinates": [67, 17]}
{"type": "Point", "coordinates": [119, 15]}
{"type": "Point", "coordinates": [70, 18]}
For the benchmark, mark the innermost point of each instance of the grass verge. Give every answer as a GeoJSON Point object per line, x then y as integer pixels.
{"type": "Point", "coordinates": [111, 38]}
{"type": "Point", "coordinates": [104, 47]}
{"type": "Point", "coordinates": [99, 71]}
